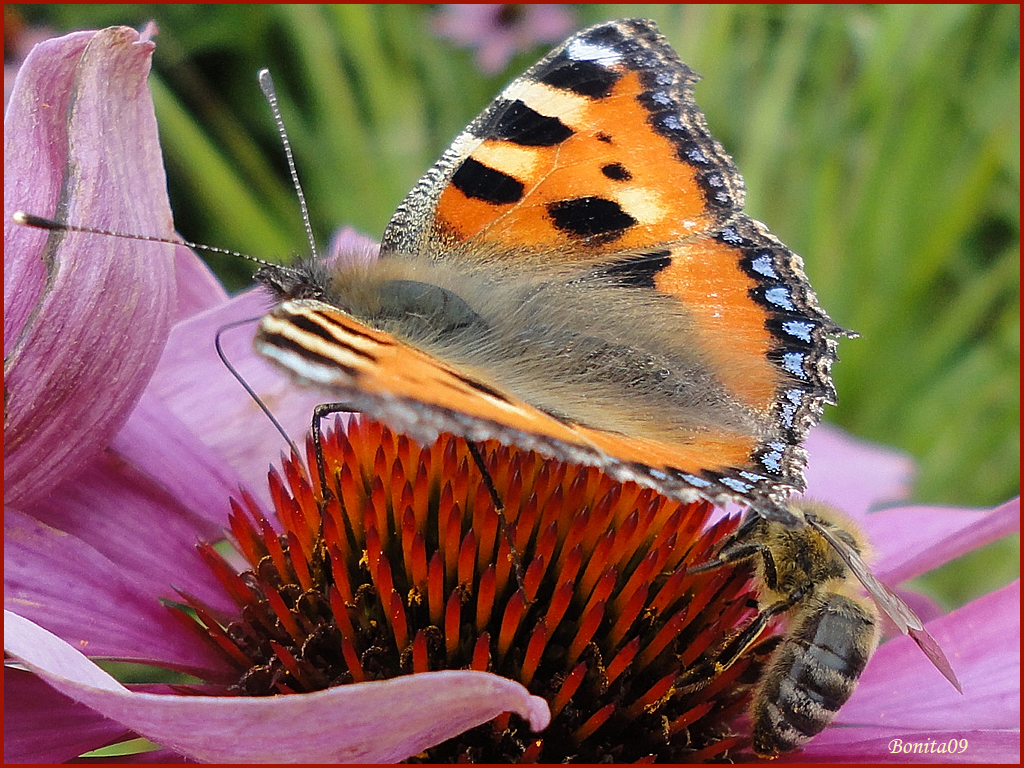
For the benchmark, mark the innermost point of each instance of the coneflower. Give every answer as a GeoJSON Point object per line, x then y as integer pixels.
{"type": "Point", "coordinates": [116, 465]}
{"type": "Point", "coordinates": [578, 590]}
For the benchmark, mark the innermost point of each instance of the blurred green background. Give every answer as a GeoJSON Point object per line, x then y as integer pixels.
{"type": "Point", "coordinates": [882, 143]}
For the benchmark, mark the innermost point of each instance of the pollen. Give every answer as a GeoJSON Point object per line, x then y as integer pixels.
{"type": "Point", "coordinates": [578, 588]}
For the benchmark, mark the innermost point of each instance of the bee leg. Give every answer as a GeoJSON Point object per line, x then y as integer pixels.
{"type": "Point", "coordinates": [739, 644]}
{"type": "Point", "coordinates": [706, 670]}
{"type": "Point", "coordinates": [731, 554]}
{"type": "Point", "coordinates": [741, 545]}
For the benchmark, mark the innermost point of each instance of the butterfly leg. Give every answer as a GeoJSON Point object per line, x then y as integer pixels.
{"type": "Point", "coordinates": [499, 507]}
{"type": "Point", "coordinates": [320, 413]}
{"type": "Point", "coordinates": [478, 459]}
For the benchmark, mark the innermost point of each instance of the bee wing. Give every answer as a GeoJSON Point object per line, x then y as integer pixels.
{"type": "Point", "coordinates": [897, 610]}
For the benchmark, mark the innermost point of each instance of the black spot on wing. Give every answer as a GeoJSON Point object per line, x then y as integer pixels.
{"type": "Point", "coordinates": [630, 44]}
{"type": "Point", "coordinates": [616, 172]}
{"type": "Point", "coordinates": [586, 78]}
{"type": "Point", "coordinates": [604, 137]}
{"type": "Point", "coordinates": [522, 125]}
{"type": "Point", "coordinates": [480, 182]}
{"type": "Point", "coordinates": [590, 217]}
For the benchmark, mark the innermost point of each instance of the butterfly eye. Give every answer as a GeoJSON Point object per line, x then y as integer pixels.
{"type": "Point", "coordinates": [428, 311]}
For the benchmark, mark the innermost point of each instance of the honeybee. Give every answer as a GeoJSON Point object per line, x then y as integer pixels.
{"type": "Point", "coordinates": [814, 572]}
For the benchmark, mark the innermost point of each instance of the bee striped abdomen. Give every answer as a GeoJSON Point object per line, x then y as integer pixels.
{"type": "Point", "coordinates": [813, 672]}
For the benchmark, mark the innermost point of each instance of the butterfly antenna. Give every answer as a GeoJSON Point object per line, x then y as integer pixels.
{"type": "Point", "coordinates": [39, 222]}
{"type": "Point", "coordinates": [267, 86]}
{"type": "Point", "coordinates": [245, 385]}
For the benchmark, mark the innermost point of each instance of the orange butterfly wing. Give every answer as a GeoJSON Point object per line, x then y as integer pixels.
{"type": "Point", "coordinates": [597, 161]}
{"type": "Point", "coordinates": [422, 396]}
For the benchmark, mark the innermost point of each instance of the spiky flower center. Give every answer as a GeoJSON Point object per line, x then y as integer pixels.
{"type": "Point", "coordinates": [578, 589]}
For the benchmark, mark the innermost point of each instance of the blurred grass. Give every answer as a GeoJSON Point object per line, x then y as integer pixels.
{"type": "Point", "coordinates": [880, 142]}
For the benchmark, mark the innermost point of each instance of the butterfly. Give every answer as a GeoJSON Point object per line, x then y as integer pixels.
{"type": "Point", "coordinates": [576, 276]}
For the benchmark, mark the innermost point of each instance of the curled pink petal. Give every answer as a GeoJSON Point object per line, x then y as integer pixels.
{"type": "Point", "coordinates": [81, 311]}
{"type": "Point", "coordinates": [382, 721]}
{"type": "Point", "coordinates": [30, 179]}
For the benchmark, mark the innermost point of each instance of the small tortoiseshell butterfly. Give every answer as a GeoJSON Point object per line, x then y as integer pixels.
{"type": "Point", "coordinates": [576, 276]}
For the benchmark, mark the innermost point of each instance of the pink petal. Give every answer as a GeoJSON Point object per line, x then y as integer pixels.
{"type": "Point", "coordinates": [27, 179]}
{"type": "Point", "coordinates": [899, 745]}
{"type": "Point", "coordinates": [349, 247]}
{"type": "Point", "coordinates": [466, 23]}
{"type": "Point", "coordinates": [982, 641]}
{"type": "Point", "coordinates": [369, 722]}
{"type": "Point", "coordinates": [547, 22]}
{"type": "Point", "coordinates": [910, 541]}
{"type": "Point", "coordinates": [162, 449]}
{"type": "Point", "coordinates": [850, 474]}
{"type": "Point", "coordinates": [497, 39]}
{"type": "Point", "coordinates": [854, 475]}
{"type": "Point", "coordinates": [155, 757]}
{"type": "Point", "coordinates": [193, 383]}
{"type": "Point", "coordinates": [47, 726]}
{"type": "Point", "coordinates": [82, 340]}
{"type": "Point", "coordinates": [494, 54]}
{"type": "Point", "coordinates": [67, 586]}
{"type": "Point", "coordinates": [198, 287]}
{"type": "Point", "coordinates": [137, 525]}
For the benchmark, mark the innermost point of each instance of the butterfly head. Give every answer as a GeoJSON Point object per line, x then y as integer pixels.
{"type": "Point", "coordinates": [305, 280]}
